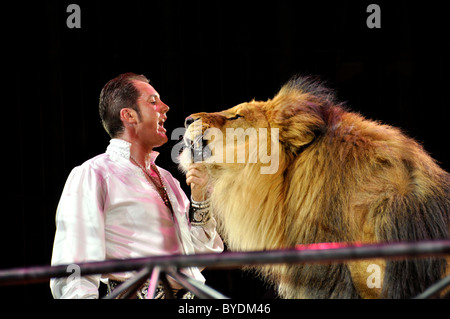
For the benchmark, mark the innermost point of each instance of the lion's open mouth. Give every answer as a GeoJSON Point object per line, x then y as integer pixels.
{"type": "Point", "coordinates": [198, 147]}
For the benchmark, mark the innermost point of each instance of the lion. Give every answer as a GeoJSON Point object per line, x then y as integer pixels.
{"type": "Point", "coordinates": [336, 177]}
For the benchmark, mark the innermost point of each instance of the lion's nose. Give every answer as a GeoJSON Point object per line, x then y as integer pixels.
{"type": "Point", "coordinates": [188, 121]}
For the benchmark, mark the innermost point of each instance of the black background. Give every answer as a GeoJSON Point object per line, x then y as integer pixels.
{"type": "Point", "coordinates": [200, 56]}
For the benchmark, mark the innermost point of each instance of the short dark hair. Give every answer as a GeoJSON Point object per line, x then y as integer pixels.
{"type": "Point", "coordinates": [117, 94]}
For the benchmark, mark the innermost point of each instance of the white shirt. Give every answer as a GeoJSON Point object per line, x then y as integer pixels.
{"type": "Point", "coordinates": [109, 210]}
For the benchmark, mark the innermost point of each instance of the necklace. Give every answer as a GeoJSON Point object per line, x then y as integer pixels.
{"type": "Point", "coordinates": [159, 185]}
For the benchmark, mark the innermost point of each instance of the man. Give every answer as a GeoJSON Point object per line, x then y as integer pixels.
{"type": "Point", "coordinates": [120, 205]}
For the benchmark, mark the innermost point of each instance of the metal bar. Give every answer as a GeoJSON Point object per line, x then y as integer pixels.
{"type": "Point", "coordinates": [234, 260]}
{"type": "Point", "coordinates": [153, 284]}
{"type": "Point", "coordinates": [199, 289]}
{"type": "Point", "coordinates": [434, 289]}
{"type": "Point", "coordinates": [126, 289]}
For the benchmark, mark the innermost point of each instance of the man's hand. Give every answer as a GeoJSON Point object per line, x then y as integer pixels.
{"type": "Point", "coordinates": [197, 178]}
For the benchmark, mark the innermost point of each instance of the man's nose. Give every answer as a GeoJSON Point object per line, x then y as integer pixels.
{"type": "Point", "coordinates": [164, 108]}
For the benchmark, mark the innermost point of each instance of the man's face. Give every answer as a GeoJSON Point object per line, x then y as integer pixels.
{"type": "Point", "coordinates": [150, 126]}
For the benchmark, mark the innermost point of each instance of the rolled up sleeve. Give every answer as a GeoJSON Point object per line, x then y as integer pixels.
{"type": "Point", "coordinates": [206, 239]}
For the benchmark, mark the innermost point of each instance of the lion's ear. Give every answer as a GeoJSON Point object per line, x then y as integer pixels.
{"type": "Point", "coordinates": [300, 111]}
{"type": "Point", "coordinates": [298, 116]}
{"type": "Point", "coordinates": [296, 127]}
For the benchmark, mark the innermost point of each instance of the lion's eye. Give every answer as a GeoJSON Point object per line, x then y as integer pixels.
{"type": "Point", "coordinates": [235, 117]}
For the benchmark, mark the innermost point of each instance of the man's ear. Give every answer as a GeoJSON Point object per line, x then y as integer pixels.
{"type": "Point", "coordinates": [128, 116]}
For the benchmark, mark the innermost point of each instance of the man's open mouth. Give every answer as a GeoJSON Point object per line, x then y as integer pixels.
{"type": "Point", "coordinates": [161, 127]}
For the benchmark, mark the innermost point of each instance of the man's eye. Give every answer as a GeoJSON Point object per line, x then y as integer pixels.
{"type": "Point", "coordinates": [153, 100]}
{"type": "Point", "coordinates": [234, 117]}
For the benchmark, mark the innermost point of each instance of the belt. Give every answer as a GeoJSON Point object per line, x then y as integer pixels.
{"type": "Point", "coordinates": [142, 292]}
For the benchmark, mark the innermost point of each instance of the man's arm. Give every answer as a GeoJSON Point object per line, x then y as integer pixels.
{"type": "Point", "coordinates": [204, 234]}
{"type": "Point", "coordinates": [80, 233]}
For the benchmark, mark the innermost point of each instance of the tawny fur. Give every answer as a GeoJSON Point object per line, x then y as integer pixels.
{"type": "Point", "coordinates": [340, 178]}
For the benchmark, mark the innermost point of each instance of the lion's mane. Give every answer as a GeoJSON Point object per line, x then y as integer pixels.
{"type": "Point", "coordinates": [341, 178]}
